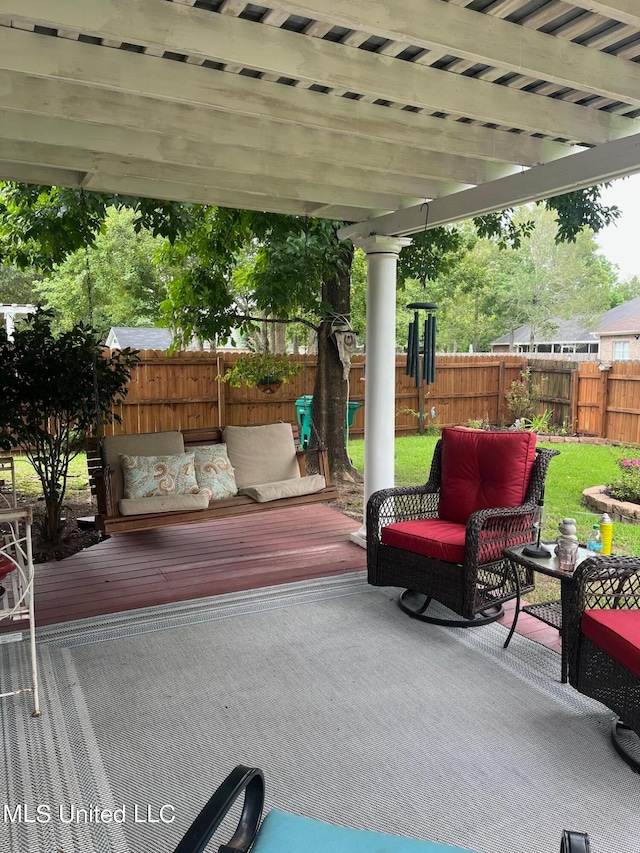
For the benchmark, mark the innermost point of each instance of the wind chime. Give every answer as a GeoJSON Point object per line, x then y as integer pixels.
{"type": "Point", "coordinates": [421, 353]}
{"type": "Point", "coordinates": [421, 345]}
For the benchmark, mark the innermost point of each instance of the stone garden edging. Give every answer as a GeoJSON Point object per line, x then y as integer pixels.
{"type": "Point", "coordinates": [596, 499]}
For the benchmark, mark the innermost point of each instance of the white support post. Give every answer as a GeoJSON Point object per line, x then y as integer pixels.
{"type": "Point", "coordinates": [380, 385]}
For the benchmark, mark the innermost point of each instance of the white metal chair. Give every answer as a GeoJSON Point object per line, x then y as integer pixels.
{"type": "Point", "coordinates": [17, 572]}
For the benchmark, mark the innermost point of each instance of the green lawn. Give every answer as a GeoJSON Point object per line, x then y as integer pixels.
{"type": "Point", "coordinates": [578, 467]}
{"type": "Point", "coordinates": [28, 483]}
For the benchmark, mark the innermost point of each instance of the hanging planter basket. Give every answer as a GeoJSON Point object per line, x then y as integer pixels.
{"type": "Point", "coordinates": [269, 385]}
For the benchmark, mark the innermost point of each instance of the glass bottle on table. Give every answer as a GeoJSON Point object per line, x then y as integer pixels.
{"type": "Point", "coordinates": [594, 540]}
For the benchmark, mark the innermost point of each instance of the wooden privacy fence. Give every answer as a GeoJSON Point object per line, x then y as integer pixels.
{"type": "Point", "coordinates": [182, 391]}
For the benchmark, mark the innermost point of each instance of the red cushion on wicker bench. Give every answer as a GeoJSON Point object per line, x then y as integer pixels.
{"type": "Point", "coordinates": [482, 469]}
{"type": "Point", "coordinates": [433, 537]}
{"type": "Point", "coordinates": [616, 632]}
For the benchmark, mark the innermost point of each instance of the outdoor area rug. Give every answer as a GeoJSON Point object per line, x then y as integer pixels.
{"type": "Point", "coordinates": [357, 714]}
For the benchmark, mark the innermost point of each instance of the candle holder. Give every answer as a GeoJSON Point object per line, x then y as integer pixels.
{"type": "Point", "coordinates": [537, 550]}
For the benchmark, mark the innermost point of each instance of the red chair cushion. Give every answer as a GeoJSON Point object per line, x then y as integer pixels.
{"type": "Point", "coordinates": [616, 632]}
{"type": "Point", "coordinates": [482, 469]}
{"type": "Point", "coordinates": [432, 537]}
{"type": "Point", "coordinates": [6, 566]}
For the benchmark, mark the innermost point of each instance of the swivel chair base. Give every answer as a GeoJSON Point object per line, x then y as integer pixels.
{"type": "Point", "coordinates": [627, 746]}
{"type": "Point", "coordinates": [417, 611]}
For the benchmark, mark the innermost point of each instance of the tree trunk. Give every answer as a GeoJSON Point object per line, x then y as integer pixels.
{"type": "Point", "coordinates": [330, 390]}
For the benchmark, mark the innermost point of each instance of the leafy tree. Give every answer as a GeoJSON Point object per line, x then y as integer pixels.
{"type": "Point", "coordinates": [297, 273]}
{"type": "Point", "coordinates": [115, 282]}
{"type": "Point", "coordinates": [17, 286]}
{"type": "Point", "coordinates": [54, 389]}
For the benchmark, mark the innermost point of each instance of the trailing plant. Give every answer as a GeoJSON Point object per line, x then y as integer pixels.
{"type": "Point", "coordinates": [53, 390]}
{"type": "Point", "coordinates": [258, 368]}
{"type": "Point", "coordinates": [523, 397]}
{"type": "Point", "coordinates": [627, 486]}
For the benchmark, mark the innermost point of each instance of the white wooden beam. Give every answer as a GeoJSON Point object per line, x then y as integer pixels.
{"type": "Point", "coordinates": [249, 136]}
{"type": "Point", "coordinates": [233, 40]}
{"type": "Point", "coordinates": [327, 192]}
{"type": "Point", "coordinates": [34, 174]}
{"type": "Point", "coordinates": [121, 71]}
{"type": "Point", "coordinates": [293, 178]}
{"type": "Point", "coordinates": [196, 194]}
{"type": "Point", "coordinates": [626, 11]}
{"type": "Point", "coordinates": [478, 37]}
{"type": "Point", "coordinates": [606, 162]}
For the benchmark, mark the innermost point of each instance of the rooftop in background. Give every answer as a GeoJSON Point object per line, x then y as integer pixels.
{"type": "Point", "coordinates": [153, 338]}
{"type": "Point", "coordinates": [121, 337]}
{"type": "Point", "coordinates": [571, 336]}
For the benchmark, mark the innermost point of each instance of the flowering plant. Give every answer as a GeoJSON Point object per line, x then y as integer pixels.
{"type": "Point", "coordinates": [627, 487]}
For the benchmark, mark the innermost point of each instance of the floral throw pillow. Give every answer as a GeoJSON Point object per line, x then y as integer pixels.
{"type": "Point", "coordinates": [214, 472]}
{"type": "Point", "coordinates": [150, 476]}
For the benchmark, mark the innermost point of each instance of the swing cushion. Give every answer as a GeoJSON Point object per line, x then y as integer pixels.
{"type": "Point", "coordinates": [149, 444]}
{"type": "Point", "coordinates": [156, 476]}
{"type": "Point", "coordinates": [214, 472]}
{"type": "Point", "coordinates": [262, 454]}
{"type": "Point", "coordinates": [264, 492]}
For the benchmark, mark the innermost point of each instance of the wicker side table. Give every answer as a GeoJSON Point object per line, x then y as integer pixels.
{"type": "Point", "coordinates": [549, 612]}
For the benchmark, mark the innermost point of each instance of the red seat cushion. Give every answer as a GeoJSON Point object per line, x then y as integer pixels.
{"type": "Point", "coordinates": [6, 566]}
{"type": "Point", "coordinates": [616, 632]}
{"type": "Point", "coordinates": [432, 537]}
{"type": "Point", "coordinates": [482, 469]}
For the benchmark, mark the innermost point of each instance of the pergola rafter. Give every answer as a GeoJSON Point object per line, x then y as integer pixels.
{"type": "Point", "coordinates": [327, 107]}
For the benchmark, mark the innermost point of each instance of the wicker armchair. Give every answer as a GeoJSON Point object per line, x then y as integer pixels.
{"type": "Point", "coordinates": [444, 540]}
{"type": "Point", "coordinates": [602, 630]}
{"type": "Point", "coordinates": [283, 832]}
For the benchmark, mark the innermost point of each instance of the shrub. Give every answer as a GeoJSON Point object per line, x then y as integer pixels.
{"type": "Point", "coordinates": [53, 390]}
{"type": "Point", "coordinates": [523, 397]}
{"type": "Point", "coordinates": [627, 487]}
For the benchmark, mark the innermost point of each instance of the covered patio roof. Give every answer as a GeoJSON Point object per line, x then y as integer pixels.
{"type": "Point", "coordinates": [331, 108]}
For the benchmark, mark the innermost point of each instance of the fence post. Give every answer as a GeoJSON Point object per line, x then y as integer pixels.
{"type": "Point", "coordinates": [501, 375]}
{"type": "Point", "coordinates": [222, 390]}
{"type": "Point", "coordinates": [573, 400]}
{"type": "Point", "coordinates": [604, 399]}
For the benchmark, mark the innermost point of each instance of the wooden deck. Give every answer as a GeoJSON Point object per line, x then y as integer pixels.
{"type": "Point", "coordinates": [192, 561]}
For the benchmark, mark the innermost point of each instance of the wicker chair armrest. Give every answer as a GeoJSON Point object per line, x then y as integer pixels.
{"type": "Point", "coordinates": [242, 780]}
{"type": "Point", "coordinates": [488, 517]}
{"type": "Point", "coordinates": [405, 503]}
{"type": "Point", "coordinates": [608, 582]}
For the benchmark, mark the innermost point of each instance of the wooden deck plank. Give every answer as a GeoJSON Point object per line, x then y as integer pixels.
{"type": "Point", "coordinates": [193, 561]}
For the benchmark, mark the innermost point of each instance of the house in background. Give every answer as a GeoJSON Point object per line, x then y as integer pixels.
{"type": "Point", "coordinates": [121, 337]}
{"type": "Point", "coordinates": [615, 337]}
{"type": "Point", "coordinates": [569, 338]}
{"type": "Point", "coordinates": [145, 337]}
{"type": "Point", "coordinates": [618, 331]}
